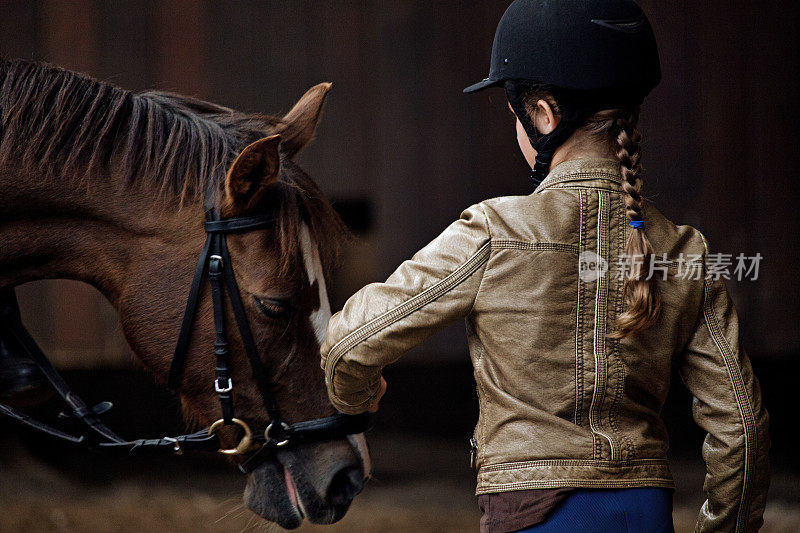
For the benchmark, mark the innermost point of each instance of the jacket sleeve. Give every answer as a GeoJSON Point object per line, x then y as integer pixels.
{"type": "Point", "coordinates": [727, 405]}
{"type": "Point", "coordinates": [379, 323]}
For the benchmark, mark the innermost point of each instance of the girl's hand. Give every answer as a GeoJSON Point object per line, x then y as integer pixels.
{"type": "Point", "coordinates": [373, 408]}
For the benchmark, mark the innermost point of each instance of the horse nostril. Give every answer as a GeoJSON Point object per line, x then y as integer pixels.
{"type": "Point", "coordinates": [345, 485]}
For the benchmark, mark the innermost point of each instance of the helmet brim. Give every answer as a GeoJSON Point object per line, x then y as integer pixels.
{"type": "Point", "coordinates": [483, 84]}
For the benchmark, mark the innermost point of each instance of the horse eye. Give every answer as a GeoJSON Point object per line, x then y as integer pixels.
{"type": "Point", "coordinates": [272, 307]}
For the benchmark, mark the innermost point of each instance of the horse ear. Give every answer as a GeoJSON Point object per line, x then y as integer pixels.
{"type": "Point", "coordinates": [298, 126]}
{"type": "Point", "coordinates": [253, 171]}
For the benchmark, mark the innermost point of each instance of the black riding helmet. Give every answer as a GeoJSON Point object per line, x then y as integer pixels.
{"type": "Point", "coordinates": [592, 54]}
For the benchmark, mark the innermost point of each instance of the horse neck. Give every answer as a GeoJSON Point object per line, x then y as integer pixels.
{"type": "Point", "coordinates": [86, 230]}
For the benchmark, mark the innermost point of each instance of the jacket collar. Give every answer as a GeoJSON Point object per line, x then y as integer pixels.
{"type": "Point", "coordinates": [595, 171]}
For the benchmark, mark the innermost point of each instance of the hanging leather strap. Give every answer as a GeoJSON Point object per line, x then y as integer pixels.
{"type": "Point", "coordinates": [195, 442]}
{"type": "Point", "coordinates": [184, 336]}
{"type": "Point", "coordinates": [223, 384]}
{"type": "Point", "coordinates": [11, 325]}
{"type": "Point", "coordinates": [256, 366]}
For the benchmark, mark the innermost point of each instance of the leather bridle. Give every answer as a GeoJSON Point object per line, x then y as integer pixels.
{"type": "Point", "coordinates": [215, 263]}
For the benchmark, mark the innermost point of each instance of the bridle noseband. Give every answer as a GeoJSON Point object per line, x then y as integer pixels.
{"type": "Point", "coordinates": [215, 263]}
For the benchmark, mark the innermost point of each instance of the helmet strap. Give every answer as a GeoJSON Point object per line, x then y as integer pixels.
{"type": "Point", "coordinates": [545, 144]}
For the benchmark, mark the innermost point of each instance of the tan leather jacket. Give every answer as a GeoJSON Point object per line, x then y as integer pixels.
{"type": "Point", "coordinates": [560, 403]}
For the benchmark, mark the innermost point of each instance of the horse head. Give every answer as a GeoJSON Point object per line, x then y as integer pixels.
{"type": "Point", "coordinates": [106, 224]}
{"type": "Point", "coordinates": [281, 274]}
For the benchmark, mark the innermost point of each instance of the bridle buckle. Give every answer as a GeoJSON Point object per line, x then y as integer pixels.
{"type": "Point", "coordinates": [217, 261]}
{"type": "Point", "coordinates": [223, 389]}
{"type": "Point", "coordinates": [176, 445]}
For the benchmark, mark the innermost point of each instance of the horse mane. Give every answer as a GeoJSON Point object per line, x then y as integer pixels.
{"type": "Point", "coordinates": [55, 121]}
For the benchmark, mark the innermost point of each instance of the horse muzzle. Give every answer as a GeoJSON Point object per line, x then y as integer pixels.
{"type": "Point", "coordinates": [313, 481]}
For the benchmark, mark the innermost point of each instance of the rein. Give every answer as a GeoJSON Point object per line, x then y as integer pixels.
{"type": "Point", "coordinates": [214, 263]}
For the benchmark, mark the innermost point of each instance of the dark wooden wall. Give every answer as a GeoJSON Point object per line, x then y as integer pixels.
{"type": "Point", "coordinates": [401, 143]}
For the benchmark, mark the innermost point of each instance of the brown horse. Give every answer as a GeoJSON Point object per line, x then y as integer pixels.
{"type": "Point", "coordinates": [106, 186]}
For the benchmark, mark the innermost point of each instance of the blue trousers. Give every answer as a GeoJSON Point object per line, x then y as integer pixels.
{"type": "Point", "coordinates": [629, 510]}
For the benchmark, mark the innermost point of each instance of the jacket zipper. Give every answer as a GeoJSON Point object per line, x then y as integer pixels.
{"type": "Point", "coordinates": [473, 452]}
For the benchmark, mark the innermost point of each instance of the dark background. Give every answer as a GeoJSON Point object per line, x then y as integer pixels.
{"type": "Point", "coordinates": [402, 151]}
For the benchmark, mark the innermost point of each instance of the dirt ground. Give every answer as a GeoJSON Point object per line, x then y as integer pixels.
{"type": "Point", "coordinates": [419, 485]}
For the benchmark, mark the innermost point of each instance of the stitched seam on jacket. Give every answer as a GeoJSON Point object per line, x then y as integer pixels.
{"type": "Point", "coordinates": [483, 274]}
{"type": "Point", "coordinates": [632, 450]}
{"type": "Point", "coordinates": [745, 408]}
{"type": "Point", "coordinates": [604, 203]}
{"type": "Point", "coordinates": [501, 467]}
{"type": "Point", "coordinates": [597, 172]}
{"type": "Point", "coordinates": [482, 400]}
{"type": "Point", "coordinates": [613, 349]}
{"type": "Point", "coordinates": [600, 309]}
{"type": "Point", "coordinates": [595, 437]}
{"type": "Point", "coordinates": [589, 173]}
{"type": "Point", "coordinates": [579, 325]}
{"type": "Point", "coordinates": [631, 445]}
{"type": "Point", "coordinates": [586, 188]}
{"type": "Point", "coordinates": [508, 244]}
{"type": "Point", "coordinates": [488, 487]}
{"type": "Point", "coordinates": [479, 360]}
{"type": "Point", "coordinates": [402, 310]}
{"type": "Point", "coordinates": [627, 445]}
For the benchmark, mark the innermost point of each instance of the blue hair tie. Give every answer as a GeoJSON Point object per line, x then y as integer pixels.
{"type": "Point", "coordinates": [638, 224]}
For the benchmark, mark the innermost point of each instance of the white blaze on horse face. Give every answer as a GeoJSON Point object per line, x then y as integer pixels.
{"type": "Point", "coordinates": [319, 318]}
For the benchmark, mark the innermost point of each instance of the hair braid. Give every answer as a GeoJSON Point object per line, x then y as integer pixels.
{"type": "Point", "coordinates": [641, 295]}
{"type": "Point", "coordinates": [629, 153]}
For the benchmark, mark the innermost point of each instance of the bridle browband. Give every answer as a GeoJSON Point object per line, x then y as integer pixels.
{"type": "Point", "coordinates": [214, 262]}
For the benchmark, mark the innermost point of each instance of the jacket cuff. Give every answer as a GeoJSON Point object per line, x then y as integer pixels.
{"type": "Point", "coordinates": [354, 404]}
{"type": "Point", "coordinates": [346, 390]}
